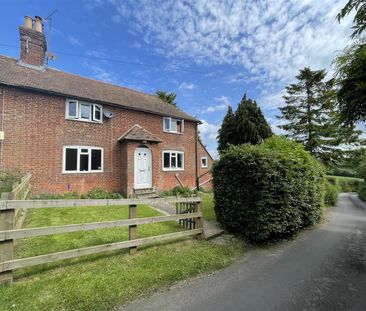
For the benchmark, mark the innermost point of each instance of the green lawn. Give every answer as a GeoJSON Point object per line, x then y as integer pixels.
{"type": "Point", "coordinates": [208, 207]}
{"type": "Point", "coordinates": [101, 282]}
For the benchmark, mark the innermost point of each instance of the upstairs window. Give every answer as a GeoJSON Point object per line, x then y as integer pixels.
{"type": "Point", "coordinates": [204, 162]}
{"type": "Point", "coordinates": [82, 111]}
{"type": "Point", "coordinates": [173, 125]}
{"type": "Point", "coordinates": [173, 161]}
{"type": "Point", "coordinates": [82, 159]}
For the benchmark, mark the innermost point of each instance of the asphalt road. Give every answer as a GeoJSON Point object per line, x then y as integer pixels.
{"type": "Point", "coordinates": [323, 269]}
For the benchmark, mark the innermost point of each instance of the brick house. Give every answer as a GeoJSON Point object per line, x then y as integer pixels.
{"type": "Point", "coordinates": [73, 133]}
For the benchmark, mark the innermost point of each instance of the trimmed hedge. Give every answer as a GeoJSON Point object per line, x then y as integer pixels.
{"type": "Point", "coordinates": [269, 191]}
{"type": "Point", "coordinates": [346, 184]}
{"type": "Point", "coordinates": [331, 193]}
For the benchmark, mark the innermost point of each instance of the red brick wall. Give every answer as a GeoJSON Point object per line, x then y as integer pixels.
{"type": "Point", "coordinates": [202, 152]}
{"type": "Point", "coordinates": [36, 131]}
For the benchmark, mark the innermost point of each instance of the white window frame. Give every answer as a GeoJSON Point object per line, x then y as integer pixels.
{"type": "Point", "coordinates": [170, 169]}
{"type": "Point", "coordinates": [169, 130]}
{"type": "Point", "coordinates": [89, 152]}
{"type": "Point", "coordinates": [78, 117]}
{"type": "Point", "coordinates": [202, 165]}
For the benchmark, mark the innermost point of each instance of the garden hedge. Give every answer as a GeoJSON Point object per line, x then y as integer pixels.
{"type": "Point", "coordinates": [268, 191]}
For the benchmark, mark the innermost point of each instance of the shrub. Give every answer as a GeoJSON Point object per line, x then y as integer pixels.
{"type": "Point", "coordinates": [362, 192]}
{"type": "Point", "coordinates": [99, 193]}
{"type": "Point", "coordinates": [331, 193]}
{"type": "Point", "coordinates": [345, 184]}
{"type": "Point", "coordinates": [9, 178]}
{"type": "Point", "coordinates": [96, 193]}
{"type": "Point", "coordinates": [182, 191]}
{"type": "Point", "coordinates": [269, 191]}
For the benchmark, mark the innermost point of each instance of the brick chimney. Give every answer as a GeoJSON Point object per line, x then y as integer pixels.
{"type": "Point", "coordinates": [33, 44]}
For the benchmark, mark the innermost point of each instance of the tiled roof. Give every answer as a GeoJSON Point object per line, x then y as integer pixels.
{"type": "Point", "coordinates": [138, 133]}
{"type": "Point", "coordinates": [61, 83]}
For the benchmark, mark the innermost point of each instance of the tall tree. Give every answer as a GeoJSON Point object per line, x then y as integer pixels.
{"type": "Point", "coordinates": [312, 117]}
{"type": "Point", "coordinates": [167, 97]}
{"type": "Point", "coordinates": [251, 126]}
{"type": "Point", "coordinates": [227, 132]}
{"type": "Point", "coordinates": [351, 78]}
{"type": "Point", "coordinates": [246, 125]}
{"type": "Point", "coordinates": [359, 20]}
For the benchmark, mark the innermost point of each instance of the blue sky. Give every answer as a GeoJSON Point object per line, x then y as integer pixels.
{"type": "Point", "coordinates": [208, 52]}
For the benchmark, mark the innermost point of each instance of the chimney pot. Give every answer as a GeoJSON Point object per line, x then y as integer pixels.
{"type": "Point", "coordinates": [38, 25]}
{"type": "Point", "coordinates": [28, 22]}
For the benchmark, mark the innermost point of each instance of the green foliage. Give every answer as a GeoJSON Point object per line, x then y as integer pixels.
{"type": "Point", "coordinates": [268, 191]}
{"type": "Point", "coordinates": [246, 125]}
{"type": "Point", "coordinates": [227, 131]}
{"type": "Point", "coordinates": [99, 193]}
{"type": "Point", "coordinates": [312, 118]}
{"type": "Point", "coordinates": [362, 192]}
{"type": "Point", "coordinates": [167, 97]}
{"type": "Point", "coordinates": [331, 193]}
{"type": "Point", "coordinates": [9, 178]}
{"type": "Point", "coordinates": [359, 19]}
{"type": "Point", "coordinates": [182, 191]}
{"type": "Point", "coordinates": [345, 184]}
{"type": "Point", "coordinates": [96, 193]}
{"type": "Point", "coordinates": [351, 77]}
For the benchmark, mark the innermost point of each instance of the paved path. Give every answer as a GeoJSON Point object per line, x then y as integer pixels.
{"type": "Point", "coordinates": [323, 269]}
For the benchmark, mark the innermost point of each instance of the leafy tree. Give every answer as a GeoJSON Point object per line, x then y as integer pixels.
{"type": "Point", "coordinates": [167, 97]}
{"type": "Point", "coordinates": [359, 20]}
{"type": "Point", "coordinates": [227, 132]}
{"type": "Point", "coordinates": [312, 117]}
{"type": "Point", "coordinates": [351, 78]}
{"type": "Point", "coordinates": [251, 126]}
{"type": "Point", "coordinates": [246, 125]}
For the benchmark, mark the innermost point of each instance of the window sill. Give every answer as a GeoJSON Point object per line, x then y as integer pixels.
{"type": "Point", "coordinates": [81, 172]}
{"type": "Point", "coordinates": [173, 169]}
{"type": "Point", "coordinates": [86, 121]}
{"type": "Point", "coordinates": [171, 132]}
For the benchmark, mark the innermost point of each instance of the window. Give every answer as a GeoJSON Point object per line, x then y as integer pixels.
{"type": "Point", "coordinates": [173, 160]}
{"type": "Point", "coordinates": [82, 111]}
{"type": "Point", "coordinates": [204, 162]}
{"type": "Point", "coordinates": [82, 159]}
{"type": "Point", "coordinates": [172, 125]}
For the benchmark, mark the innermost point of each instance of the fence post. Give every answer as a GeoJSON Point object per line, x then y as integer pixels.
{"type": "Point", "coordinates": [6, 246]}
{"type": "Point", "coordinates": [199, 220]}
{"type": "Point", "coordinates": [132, 229]}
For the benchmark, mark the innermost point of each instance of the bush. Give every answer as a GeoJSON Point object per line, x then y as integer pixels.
{"type": "Point", "coordinates": [331, 193]}
{"type": "Point", "coordinates": [345, 184]}
{"type": "Point", "coordinates": [345, 172]}
{"type": "Point", "coordinates": [99, 193]}
{"type": "Point", "coordinates": [362, 192]}
{"type": "Point", "coordinates": [183, 191]}
{"type": "Point", "coordinates": [9, 178]}
{"type": "Point", "coordinates": [268, 192]}
{"type": "Point", "coordinates": [96, 193]}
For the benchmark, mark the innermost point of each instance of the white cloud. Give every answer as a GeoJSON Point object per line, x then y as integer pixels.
{"type": "Point", "coordinates": [186, 86]}
{"type": "Point", "coordinates": [223, 103]}
{"type": "Point", "coordinates": [208, 132]}
{"type": "Point", "coordinates": [73, 41]}
{"type": "Point", "coordinates": [268, 40]}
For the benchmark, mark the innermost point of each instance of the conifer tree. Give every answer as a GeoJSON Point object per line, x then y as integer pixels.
{"type": "Point", "coordinates": [312, 117]}
{"type": "Point", "coordinates": [251, 126]}
{"type": "Point", "coordinates": [227, 132]}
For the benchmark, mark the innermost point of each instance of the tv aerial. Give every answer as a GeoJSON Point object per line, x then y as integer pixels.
{"type": "Point", "coordinates": [48, 19]}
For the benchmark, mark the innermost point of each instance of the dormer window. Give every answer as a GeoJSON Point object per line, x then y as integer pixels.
{"type": "Point", "coordinates": [83, 111]}
{"type": "Point", "coordinates": [173, 125]}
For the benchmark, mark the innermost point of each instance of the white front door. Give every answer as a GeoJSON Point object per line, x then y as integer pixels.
{"type": "Point", "coordinates": [143, 168]}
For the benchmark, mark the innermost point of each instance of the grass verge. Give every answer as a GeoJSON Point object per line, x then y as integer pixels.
{"type": "Point", "coordinates": [101, 282]}
{"type": "Point", "coordinates": [208, 207]}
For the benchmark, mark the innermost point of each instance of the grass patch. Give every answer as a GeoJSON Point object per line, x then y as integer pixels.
{"type": "Point", "coordinates": [208, 207]}
{"type": "Point", "coordinates": [101, 282]}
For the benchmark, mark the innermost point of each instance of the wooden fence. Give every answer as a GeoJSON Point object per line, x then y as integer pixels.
{"type": "Point", "coordinates": [8, 234]}
{"type": "Point", "coordinates": [20, 191]}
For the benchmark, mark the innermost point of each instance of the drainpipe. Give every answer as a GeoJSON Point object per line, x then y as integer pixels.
{"type": "Point", "coordinates": [196, 155]}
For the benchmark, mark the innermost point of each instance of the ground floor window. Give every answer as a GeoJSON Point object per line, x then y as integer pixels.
{"type": "Point", "coordinates": [82, 159]}
{"type": "Point", "coordinates": [173, 160]}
